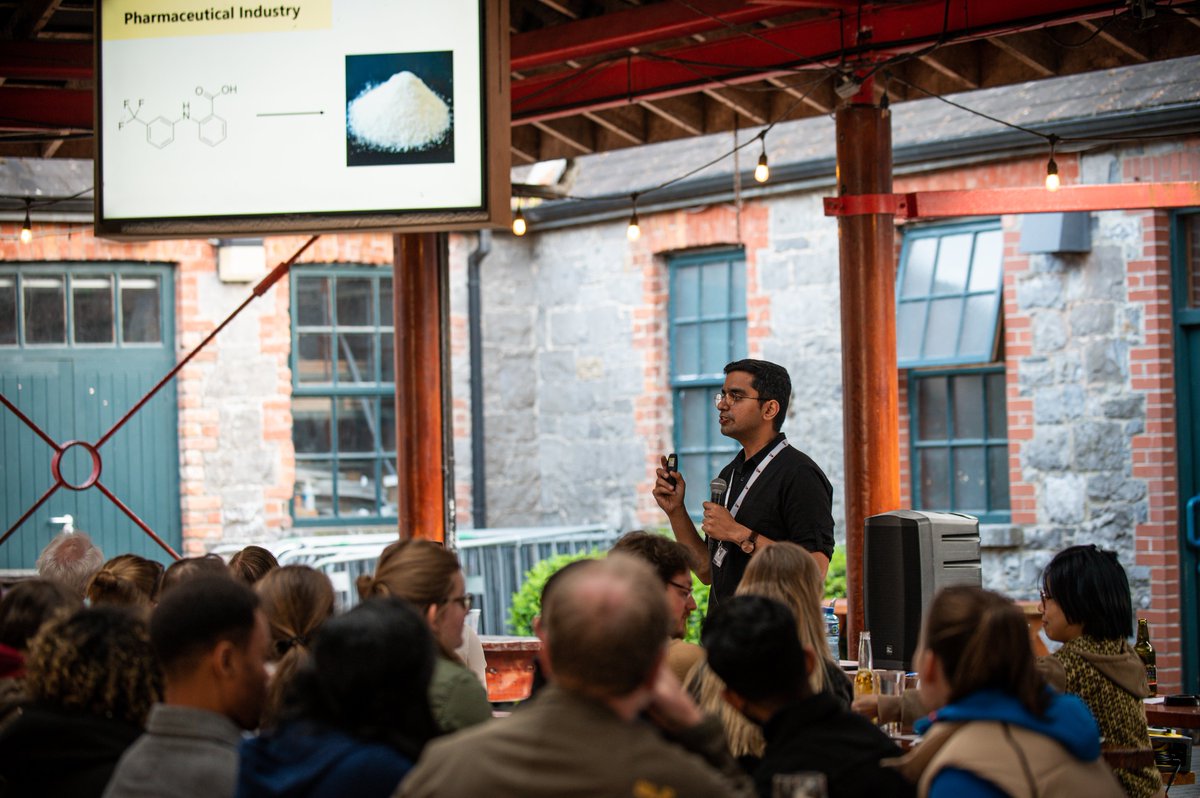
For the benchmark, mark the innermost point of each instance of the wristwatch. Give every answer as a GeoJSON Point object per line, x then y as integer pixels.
{"type": "Point", "coordinates": [749, 543]}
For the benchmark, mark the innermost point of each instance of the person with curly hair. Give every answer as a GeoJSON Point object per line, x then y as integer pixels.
{"type": "Point", "coordinates": [92, 679]}
{"type": "Point", "coordinates": [25, 608]}
{"type": "Point", "coordinates": [296, 600]}
{"type": "Point", "coordinates": [126, 580]}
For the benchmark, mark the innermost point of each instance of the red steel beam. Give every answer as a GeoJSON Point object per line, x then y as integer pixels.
{"type": "Point", "coordinates": [879, 30]}
{"type": "Point", "coordinates": [991, 201]}
{"type": "Point", "coordinates": [46, 60]}
{"type": "Point", "coordinates": [635, 27]}
{"type": "Point", "coordinates": [45, 109]}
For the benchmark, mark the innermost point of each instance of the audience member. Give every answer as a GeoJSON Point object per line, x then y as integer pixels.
{"type": "Point", "coordinates": [296, 600]}
{"type": "Point", "coordinates": [252, 564]}
{"type": "Point", "coordinates": [188, 568]}
{"type": "Point", "coordinates": [788, 574]}
{"type": "Point", "coordinates": [998, 730]}
{"type": "Point", "coordinates": [605, 631]}
{"type": "Point", "coordinates": [551, 584]}
{"type": "Point", "coordinates": [25, 607]}
{"type": "Point", "coordinates": [429, 576]}
{"type": "Point", "coordinates": [126, 580]}
{"type": "Point", "coordinates": [70, 558]}
{"type": "Point", "coordinates": [672, 562]}
{"type": "Point", "coordinates": [753, 646]}
{"type": "Point", "coordinates": [212, 640]}
{"type": "Point", "coordinates": [92, 678]}
{"type": "Point", "coordinates": [358, 711]}
{"type": "Point", "coordinates": [1086, 606]}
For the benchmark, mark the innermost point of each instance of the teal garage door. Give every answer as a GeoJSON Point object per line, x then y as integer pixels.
{"type": "Point", "coordinates": [80, 344]}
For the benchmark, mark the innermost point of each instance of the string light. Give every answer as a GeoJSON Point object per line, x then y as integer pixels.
{"type": "Point", "coordinates": [762, 172]}
{"type": "Point", "coordinates": [518, 224]}
{"type": "Point", "coordinates": [634, 231]}
{"type": "Point", "coordinates": [1052, 181]}
{"type": "Point", "coordinates": [27, 227]}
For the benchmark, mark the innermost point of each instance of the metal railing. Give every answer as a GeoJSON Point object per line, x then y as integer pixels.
{"type": "Point", "coordinates": [494, 561]}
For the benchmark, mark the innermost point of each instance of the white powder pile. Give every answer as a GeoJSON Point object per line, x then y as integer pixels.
{"type": "Point", "coordinates": [399, 115]}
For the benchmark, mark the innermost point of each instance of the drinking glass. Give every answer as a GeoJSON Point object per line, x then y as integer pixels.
{"type": "Point", "coordinates": [805, 784]}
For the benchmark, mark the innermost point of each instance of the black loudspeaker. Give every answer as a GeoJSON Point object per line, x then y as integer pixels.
{"type": "Point", "coordinates": [908, 556]}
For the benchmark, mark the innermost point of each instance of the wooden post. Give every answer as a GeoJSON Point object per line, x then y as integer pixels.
{"type": "Point", "coordinates": [421, 382]}
{"type": "Point", "coordinates": [868, 308]}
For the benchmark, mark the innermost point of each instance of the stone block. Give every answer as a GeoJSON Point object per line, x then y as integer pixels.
{"type": "Point", "coordinates": [1106, 361]}
{"type": "Point", "coordinates": [1102, 276]}
{"type": "Point", "coordinates": [1124, 407]}
{"type": "Point", "coordinates": [1000, 536]}
{"type": "Point", "coordinates": [1040, 291]}
{"type": "Point", "coordinates": [1057, 404]}
{"type": "Point", "coordinates": [1063, 498]}
{"type": "Point", "coordinates": [1099, 446]}
{"type": "Point", "coordinates": [1092, 318]}
{"type": "Point", "coordinates": [1049, 331]}
{"type": "Point", "coordinates": [1043, 537]}
{"type": "Point", "coordinates": [1048, 450]}
{"type": "Point", "coordinates": [1115, 488]}
{"type": "Point", "coordinates": [1035, 371]}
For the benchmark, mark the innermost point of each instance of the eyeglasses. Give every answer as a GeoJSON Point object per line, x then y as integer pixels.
{"type": "Point", "coordinates": [1046, 596]}
{"type": "Point", "coordinates": [685, 589]}
{"type": "Point", "coordinates": [464, 600]}
{"type": "Point", "coordinates": [733, 397]}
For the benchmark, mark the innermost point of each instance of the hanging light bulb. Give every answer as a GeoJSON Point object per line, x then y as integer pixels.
{"type": "Point", "coordinates": [1052, 181]}
{"type": "Point", "coordinates": [633, 232]}
{"type": "Point", "coordinates": [27, 227]}
{"type": "Point", "coordinates": [762, 172]}
{"type": "Point", "coordinates": [518, 225]}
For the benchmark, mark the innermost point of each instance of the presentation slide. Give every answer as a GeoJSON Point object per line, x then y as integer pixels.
{"type": "Point", "coordinates": [308, 107]}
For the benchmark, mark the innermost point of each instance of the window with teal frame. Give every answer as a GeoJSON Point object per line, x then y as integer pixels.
{"type": "Point", "coordinates": [707, 314]}
{"type": "Point", "coordinates": [960, 442]}
{"type": "Point", "coordinates": [343, 388]}
{"type": "Point", "coordinates": [948, 294]}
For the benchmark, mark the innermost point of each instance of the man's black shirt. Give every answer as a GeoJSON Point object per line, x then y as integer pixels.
{"type": "Point", "coordinates": [791, 500]}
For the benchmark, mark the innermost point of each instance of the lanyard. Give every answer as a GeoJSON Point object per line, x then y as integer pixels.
{"type": "Point", "coordinates": [761, 467]}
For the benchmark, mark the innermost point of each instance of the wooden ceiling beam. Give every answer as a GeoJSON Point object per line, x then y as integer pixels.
{"type": "Point", "coordinates": [575, 132]}
{"type": "Point", "coordinates": [1032, 49]}
{"type": "Point", "coordinates": [805, 96]}
{"type": "Point", "coordinates": [957, 63]}
{"type": "Point", "coordinates": [679, 111]}
{"type": "Point", "coordinates": [741, 102]}
{"type": "Point", "coordinates": [1136, 51]}
{"type": "Point", "coordinates": [628, 123]}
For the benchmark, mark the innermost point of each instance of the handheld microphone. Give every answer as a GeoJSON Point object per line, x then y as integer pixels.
{"type": "Point", "coordinates": [717, 488]}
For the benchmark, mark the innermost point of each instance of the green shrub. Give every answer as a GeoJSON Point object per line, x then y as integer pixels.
{"type": "Point", "coordinates": [835, 581]}
{"type": "Point", "coordinates": [527, 602]}
{"type": "Point", "coordinates": [700, 593]}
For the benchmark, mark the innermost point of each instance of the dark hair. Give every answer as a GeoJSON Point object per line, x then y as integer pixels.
{"type": "Point", "coordinates": [771, 380]}
{"type": "Point", "coordinates": [1092, 589]}
{"type": "Point", "coordinates": [982, 640]}
{"type": "Point", "coordinates": [252, 563]}
{"type": "Point", "coordinates": [97, 661]}
{"type": "Point", "coordinates": [197, 614]}
{"type": "Point", "coordinates": [606, 626]}
{"type": "Point", "coordinates": [753, 646]}
{"type": "Point", "coordinates": [368, 676]}
{"type": "Point", "coordinates": [668, 557]}
{"type": "Point", "coordinates": [180, 571]}
{"type": "Point", "coordinates": [28, 605]}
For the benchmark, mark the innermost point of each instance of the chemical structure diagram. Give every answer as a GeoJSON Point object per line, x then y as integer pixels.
{"type": "Point", "coordinates": [211, 128]}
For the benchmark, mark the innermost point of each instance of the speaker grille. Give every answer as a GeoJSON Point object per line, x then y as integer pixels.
{"type": "Point", "coordinates": [892, 588]}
